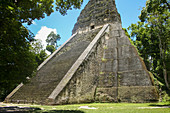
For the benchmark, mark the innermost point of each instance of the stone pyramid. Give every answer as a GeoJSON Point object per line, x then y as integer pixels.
{"type": "Point", "coordinates": [97, 64]}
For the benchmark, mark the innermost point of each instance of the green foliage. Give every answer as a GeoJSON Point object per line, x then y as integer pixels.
{"type": "Point", "coordinates": [165, 97]}
{"type": "Point", "coordinates": [50, 48]}
{"type": "Point", "coordinates": [41, 57]}
{"type": "Point", "coordinates": [151, 37]}
{"type": "Point", "coordinates": [36, 46]}
{"type": "Point", "coordinates": [16, 62]}
{"type": "Point", "coordinates": [52, 39]}
{"type": "Point", "coordinates": [126, 32]}
{"type": "Point", "coordinates": [25, 10]}
{"type": "Point", "coordinates": [37, 49]}
{"type": "Point", "coordinates": [64, 5]}
{"type": "Point", "coordinates": [28, 10]}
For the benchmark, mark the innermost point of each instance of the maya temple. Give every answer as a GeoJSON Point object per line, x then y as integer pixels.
{"type": "Point", "coordinates": [97, 63]}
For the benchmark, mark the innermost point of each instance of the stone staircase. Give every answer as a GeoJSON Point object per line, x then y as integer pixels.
{"type": "Point", "coordinates": [52, 72]}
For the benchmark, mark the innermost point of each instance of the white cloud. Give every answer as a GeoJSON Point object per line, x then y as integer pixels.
{"type": "Point", "coordinates": [33, 22]}
{"type": "Point", "coordinates": [43, 33]}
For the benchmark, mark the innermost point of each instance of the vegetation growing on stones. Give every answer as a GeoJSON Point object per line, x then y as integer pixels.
{"type": "Point", "coordinates": [104, 60]}
{"type": "Point", "coordinates": [105, 47]}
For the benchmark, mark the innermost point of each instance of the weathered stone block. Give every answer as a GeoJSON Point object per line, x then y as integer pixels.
{"type": "Point", "coordinates": [122, 33]}
{"type": "Point", "coordinates": [123, 41]}
{"type": "Point", "coordinates": [111, 42]}
{"type": "Point", "coordinates": [115, 66]}
{"type": "Point", "coordinates": [134, 78]}
{"type": "Point", "coordinates": [110, 53]}
{"type": "Point", "coordinates": [143, 78]}
{"type": "Point", "coordinates": [116, 26]}
{"type": "Point", "coordinates": [126, 79]}
{"type": "Point", "coordinates": [106, 80]}
{"type": "Point", "coordinates": [135, 63]}
{"type": "Point", "coordinates": [106, 94]}
{"type": "Point", "coordinates": [114, 33]}
{"type": "Point", "coordinates": [137, 94]}
{"type": "Point", "coordinates": [101, 80]}
{"type": "Point", "coordinates": [109, 65]}
{"type": "Point", "coordinates": [126, 51]}
{"type": "Point", "coordinates": [123, 64]}
{"type": "Point", "coordinates": [132, 63]}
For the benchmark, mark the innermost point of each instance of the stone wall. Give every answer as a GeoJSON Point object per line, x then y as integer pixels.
{"type": "Point", "coordinates": [96, 13]}
{"type": "Point", "coordinates": [112, 72]}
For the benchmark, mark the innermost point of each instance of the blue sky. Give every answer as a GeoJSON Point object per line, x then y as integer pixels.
{"type": "Point", "coordinates": [63, 25]}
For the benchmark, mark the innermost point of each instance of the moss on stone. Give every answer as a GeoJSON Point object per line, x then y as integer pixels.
{"type": "Point", "coordinates": [101, 73]}
{"type": "Point", "coordinates": [104, 60]}
{"type": "Point", "coordinates": [105, 47]}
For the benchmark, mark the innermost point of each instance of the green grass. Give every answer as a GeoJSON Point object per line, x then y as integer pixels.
{"type": "Point", "coordinates": [105, 108]}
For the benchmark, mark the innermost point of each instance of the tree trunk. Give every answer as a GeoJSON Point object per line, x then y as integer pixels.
{"type": "Point", "coordinates": [162, 56]}
{"type": "Point", "coordinates": [162, 48]}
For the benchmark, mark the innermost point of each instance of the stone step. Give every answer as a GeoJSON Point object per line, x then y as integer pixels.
{"type": "Point", "coordinates": [51, 73]}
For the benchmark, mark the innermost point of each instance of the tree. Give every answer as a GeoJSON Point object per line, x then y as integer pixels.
{"type": "Point", "coordinates": [16, 60]}
{"type": "Point", "coordinates": [41, 57]}
{"type": "Point", "coordinates": [152, 37]}
{"type": "Point", "coordinates": [28, 10]}
{"type": "Point", "coordinates": [36, 46]}
{"type": "Point", "coordinates": [50, 48]}
{"type": "Point", "coordinates": [52, 39]}
{"type": "Point", "coordinates": [37, 49]}
{"type": "Point", "coordinates": [64, 5]}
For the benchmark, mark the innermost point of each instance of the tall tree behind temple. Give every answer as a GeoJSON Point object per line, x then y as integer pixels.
{"type": "Point", "coordinates": [51, 40]}
{"type": "Point", "coordinates": [152, 38]}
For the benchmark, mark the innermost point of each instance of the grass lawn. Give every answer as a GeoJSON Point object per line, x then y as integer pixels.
{"type": "Point", "coordinates": [104, 108]}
